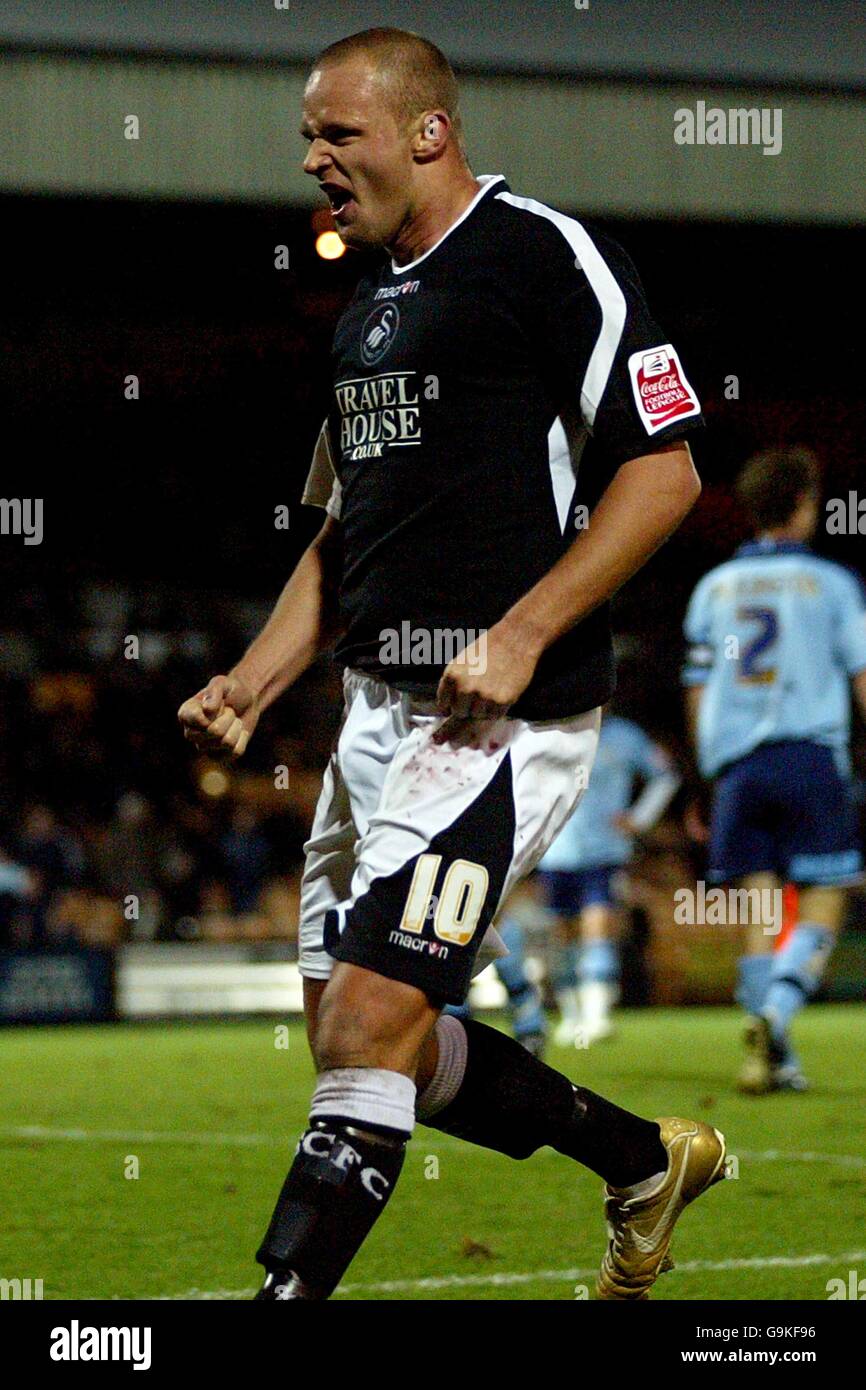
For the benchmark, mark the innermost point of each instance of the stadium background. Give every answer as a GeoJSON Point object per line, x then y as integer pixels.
{"type": "Point", "coordinates": [139, 1159]}
{"type": "Point", "coordinates": [156, 257]}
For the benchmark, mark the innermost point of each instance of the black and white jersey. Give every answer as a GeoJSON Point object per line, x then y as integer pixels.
{"type": "Point", "coordinates": [469, 387]}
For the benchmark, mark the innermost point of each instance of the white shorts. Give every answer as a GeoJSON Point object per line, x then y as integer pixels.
{"type": "Point", "coordinates": [416, 845]}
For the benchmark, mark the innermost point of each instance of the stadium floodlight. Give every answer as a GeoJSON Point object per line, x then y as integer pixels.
{"type": "Point", "coordinates": [329, 246]}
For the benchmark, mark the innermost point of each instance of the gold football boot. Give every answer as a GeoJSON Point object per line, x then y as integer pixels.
{"type": "Point", "coordinates": [640, 1228]}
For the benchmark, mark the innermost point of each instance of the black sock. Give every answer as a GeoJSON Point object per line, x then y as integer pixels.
{"type": "Point", "coordinates": [510, 1101]}
{"type": "Point", "coordinates": [335, 1191]}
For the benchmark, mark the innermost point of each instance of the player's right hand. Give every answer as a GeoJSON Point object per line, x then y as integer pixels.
{"type": "Point", "coordinates": [220, 719]}
{"type": "Point", "coordinates": [695, 823]}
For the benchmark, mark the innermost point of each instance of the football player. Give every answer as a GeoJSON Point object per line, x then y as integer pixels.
{"type": "Point", "coordinates": [578, 872]}
{"type": "Point", "coordinates": [470, 369]}
{"type": "Point", "coordinates": [777, 637]}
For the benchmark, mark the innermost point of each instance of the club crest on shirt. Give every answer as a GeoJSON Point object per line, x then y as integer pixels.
{"type": "Point", "coordinates": [661, 392]}
{"type": "Point", "coordinates": [378, 333]}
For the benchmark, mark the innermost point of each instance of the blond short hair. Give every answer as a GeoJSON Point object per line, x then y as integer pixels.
{"type": "Point", "coordinates": [417, 76]}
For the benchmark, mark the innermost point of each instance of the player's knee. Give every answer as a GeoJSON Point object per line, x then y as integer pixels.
{"type": "Point", "coordinates": [362, 1019]}
{"type": "Point", "coordinates": [340, 1041]}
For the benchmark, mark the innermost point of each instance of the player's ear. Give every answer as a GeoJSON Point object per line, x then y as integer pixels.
{"type": "Point", "coordinates": [431, 135]}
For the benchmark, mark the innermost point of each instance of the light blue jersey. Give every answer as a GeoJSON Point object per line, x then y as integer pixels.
{"type": "Point", "coordinates": [590, 838]}
{"type": "Point", "coordinates": [774, 635]}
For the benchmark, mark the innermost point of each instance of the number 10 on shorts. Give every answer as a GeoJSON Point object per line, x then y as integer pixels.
{"type": "Point", "coordinates": [460, 902]}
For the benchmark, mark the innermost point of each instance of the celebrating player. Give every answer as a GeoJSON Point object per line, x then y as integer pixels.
{"type": "Point", "coordinates": [577, 873]}
{"type": "Point", "coordinates": [777, 635]}
{"type": "Point", "coordinates": [469, 370]}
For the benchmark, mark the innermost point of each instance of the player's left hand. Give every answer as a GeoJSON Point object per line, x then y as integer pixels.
{"type": "Point", "coordinates": [481, 683]}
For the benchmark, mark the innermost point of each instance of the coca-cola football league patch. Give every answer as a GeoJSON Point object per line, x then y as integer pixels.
{"type": "Point", "coordinates": [661, 392]}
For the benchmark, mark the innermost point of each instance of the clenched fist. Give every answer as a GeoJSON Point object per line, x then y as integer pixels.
{"type": "Point", "coordinates": [482, 682]}
{"type": "Point", "coordinates": [221, 718]}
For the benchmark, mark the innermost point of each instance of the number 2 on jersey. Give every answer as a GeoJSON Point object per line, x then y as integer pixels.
{"type": "Point", "coordinates": [748, 669]}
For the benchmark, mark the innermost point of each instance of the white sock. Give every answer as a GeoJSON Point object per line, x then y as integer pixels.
{"type": "Point", "coordinates": [568, 1005]}
{"type": "Point", "coordinates": [643, 1188]}
{"type": "Point", "coordinates": [369, 1095]}
{"type": "Point", "coordinates": [596, 998]}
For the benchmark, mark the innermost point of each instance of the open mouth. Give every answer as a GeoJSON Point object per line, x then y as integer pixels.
{"type": "Point", "coordinates": [340, 198]}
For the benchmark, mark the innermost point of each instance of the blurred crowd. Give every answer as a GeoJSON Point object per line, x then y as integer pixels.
{"type": "Point", "coordinates": [115, 829]}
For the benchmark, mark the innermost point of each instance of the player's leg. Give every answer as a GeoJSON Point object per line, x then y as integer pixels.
{"type": "Point", "coordinates": [744, 856]}
{"type": "Point", "coordinates": [563, 897]}
{"type": "Point", "coordinates": [373, 861]}
{"type": "Point", "coordinates": [488, 1090]}
{"type": "Point", "coordinates": [485, 1087]}
{"type": "Point", "coordinates": [819, 851]}
{"type": "Point", "coordinates": [754, 967]}
{"type": "Point", "coordinates": [366, 1037]}
{"type": "Point", "coordinates": [822, 856]}
{"type": "Point", "coordinates": [484, 827]}
{"type": "Point", "coordinates": [313, 991]}
{"type": "Point", "coordinates": [759, 938]}
{"type": "Point", "coordinates": [565, 980]}
{"type": "Point", "coordinates": [795, 974]}
{"type": "Point", "coordinates": [524, 998]}
{"type": "Point", "coordinates": [598, 968]}
{"type": "Point", "coordinates": [525, 1007]}
{"type": "Point", "coordinates": [326, 1161]}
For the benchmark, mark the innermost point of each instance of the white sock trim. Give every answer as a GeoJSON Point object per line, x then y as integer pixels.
{"type": "Point", "coordinates": [644, 1188]}
{"type": "Point", "coordinates": [450, 1068]}
{"type": "Point", "coordinates": [368, 1095]}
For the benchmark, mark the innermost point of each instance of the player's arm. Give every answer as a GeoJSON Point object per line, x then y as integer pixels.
{"type": "Point", "coordinates": [304, 622]}
{"type": "Point", "coordinates": [851, 632]}
{"type": "Point", "coordinates": [643, 504]}
{"type": "Point", "coordinates": [221, 717]}
{"type": "Point", "coordinates": [661, 783]}
{"type": "Point", "coordinates": [693, 696]}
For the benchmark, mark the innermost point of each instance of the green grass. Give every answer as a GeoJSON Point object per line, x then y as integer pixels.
{"type": "Point", "coordinates": [164, 1094]}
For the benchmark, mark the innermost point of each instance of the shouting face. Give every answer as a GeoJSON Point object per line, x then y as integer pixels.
{"type": "Point", "coordinates": [359, 153]}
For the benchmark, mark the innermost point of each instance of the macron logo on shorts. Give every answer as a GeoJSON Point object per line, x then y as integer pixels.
{"type": "Point", "coordinates": [661, 392]}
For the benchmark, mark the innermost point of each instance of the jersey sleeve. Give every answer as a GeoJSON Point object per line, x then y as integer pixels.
{"type": "Point", "coordinates": [607, 349]}
{"type": "Point", "coordinates": [851, 632]}
{"type": "Point", "coordinates": [322, 488]}
{"type": "Point", "coordinates": [697, 629]}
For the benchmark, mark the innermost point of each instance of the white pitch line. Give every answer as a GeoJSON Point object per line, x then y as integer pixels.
{"type": "Point", "coordinates": [441, 1144]}
{"type": "Point", "coordinates": [564, 1276]}
{"type": "Point", "coordinates": [144, 1136]}
{"type": "Point", "coordinates": [804, 1156]}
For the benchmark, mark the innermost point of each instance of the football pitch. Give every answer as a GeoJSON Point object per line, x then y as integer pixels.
{"type": "Point", "coordinates": [143, 1161]}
